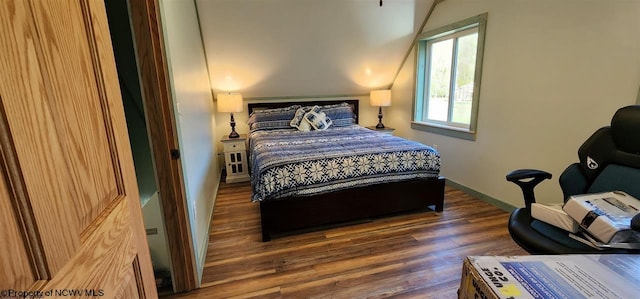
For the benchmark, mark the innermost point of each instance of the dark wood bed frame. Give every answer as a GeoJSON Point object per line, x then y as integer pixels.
{"type": "Point", "coordinates": [302, 213]}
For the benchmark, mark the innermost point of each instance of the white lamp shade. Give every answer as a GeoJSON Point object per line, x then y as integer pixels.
{"type": "Point", "coordinates": [380, 98]}
{"type": "Point", "coordinates": [229, 102]}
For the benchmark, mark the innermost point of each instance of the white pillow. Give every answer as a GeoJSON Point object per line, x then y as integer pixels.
{"type": "Point", "coordinates": [299, 122]}
{"type": "Point", "coordinates": [298, 117]}
{"type": "Point", "coordinates": [304, 126]}
{"type": "Point", "coordinates": [318, 120]}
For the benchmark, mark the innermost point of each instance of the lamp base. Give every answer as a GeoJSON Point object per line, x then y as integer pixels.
{"type": "Point", "coordinates": [380, 125]}
{"type": "Point", "coordinates": [234, 134]}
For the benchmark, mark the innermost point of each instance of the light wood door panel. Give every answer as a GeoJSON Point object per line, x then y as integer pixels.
{"type": "Point", "coordinates": [112, 242]}
{"type": "Point", "coordinates": [15, 262]}
{"type": "Point", "coordinates": [72, 205]}
{"type": "Point", "coordinates": [68, 53]}
{"type": "Point", "coordinates": [34, 137]}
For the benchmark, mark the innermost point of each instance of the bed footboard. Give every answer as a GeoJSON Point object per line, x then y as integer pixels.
{"type": "Point", "coordinates": [289, 215]}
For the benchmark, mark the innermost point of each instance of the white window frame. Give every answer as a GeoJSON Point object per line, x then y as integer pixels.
{"type": "Point", "coordinates": [422, 71]}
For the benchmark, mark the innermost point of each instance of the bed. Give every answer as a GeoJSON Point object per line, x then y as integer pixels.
{"type": "Point", "coordinates": [306, 179]}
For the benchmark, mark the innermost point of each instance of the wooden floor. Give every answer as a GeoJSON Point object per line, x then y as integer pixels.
{"type": "Point", "coordinates": [412, 256]}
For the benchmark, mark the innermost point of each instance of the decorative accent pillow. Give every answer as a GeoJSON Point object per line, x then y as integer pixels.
{"type": "Point", "coordinates": [304, 126]}
{"type": "Point", "coordinates": [318, 119]}
{"type": "Point", "coordinates": [299, 116]}
{"type": "Point", "coordinates": [269, 119]}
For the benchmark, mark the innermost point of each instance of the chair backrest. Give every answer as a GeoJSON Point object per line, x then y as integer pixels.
{"type": "Point", "coordinates": [617, 177]}
{"type": "Point", "coordinates": [610, 158]}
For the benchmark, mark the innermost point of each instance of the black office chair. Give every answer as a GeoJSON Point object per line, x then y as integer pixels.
{"type": "Point", "coordinates": [609, 161]}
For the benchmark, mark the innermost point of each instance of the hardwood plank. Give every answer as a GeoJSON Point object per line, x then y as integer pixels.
{"type": "Point", "coordinates": [409, 256]}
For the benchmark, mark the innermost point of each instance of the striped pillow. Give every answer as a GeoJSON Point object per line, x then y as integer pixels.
{"type": "Point", "coordinates": [341, 114]}
{"type": "Point", "coordinates": [269, 119]}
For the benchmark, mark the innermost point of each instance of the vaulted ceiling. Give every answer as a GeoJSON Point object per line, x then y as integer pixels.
{"type": "Point", "coordinates": [300, 48]}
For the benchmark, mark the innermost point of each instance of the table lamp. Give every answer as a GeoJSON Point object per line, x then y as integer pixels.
{"type": "Point", "coordinates": [230, 102]}
{"type": "Point", "coordinates": [380, 98]}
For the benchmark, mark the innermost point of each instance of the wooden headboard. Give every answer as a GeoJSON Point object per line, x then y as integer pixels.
{"type": "Point", "coordinates": [270, 105]}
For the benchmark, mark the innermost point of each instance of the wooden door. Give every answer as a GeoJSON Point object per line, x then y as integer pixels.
{"type": "Point", "coordinates": [70, 217]}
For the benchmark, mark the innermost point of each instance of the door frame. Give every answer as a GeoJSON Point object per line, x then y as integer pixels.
{"type": "Point", "coordinates": [161, 123]}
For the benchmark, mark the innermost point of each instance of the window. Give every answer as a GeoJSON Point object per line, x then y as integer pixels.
{"type": "Point", "coordinates": [448, 71]}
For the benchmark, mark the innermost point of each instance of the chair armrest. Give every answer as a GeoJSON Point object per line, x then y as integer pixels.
{"type": "Point", "coordinates": [523, 174]}
{"type": "Point", "coordinates": [527, 179]}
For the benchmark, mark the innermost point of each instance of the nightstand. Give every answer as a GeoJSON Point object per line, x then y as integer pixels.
{"type": "Point", "coordinates": [235, 157]}
{"type": "Point", "coordinates": [385, 130]}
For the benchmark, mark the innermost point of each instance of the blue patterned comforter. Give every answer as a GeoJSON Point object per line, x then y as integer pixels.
{"type": "Point", "coordinates": [289, 162]}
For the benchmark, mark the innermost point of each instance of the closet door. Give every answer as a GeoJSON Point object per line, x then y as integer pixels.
{"type": "Point", "coordinates": [70, 217]}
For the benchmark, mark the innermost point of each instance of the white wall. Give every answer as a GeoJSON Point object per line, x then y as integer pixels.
{"type": "Point", "coordinates": [554, 71]}
{"type": "Point", "coordinates": [307, 47]}
{"type": "Point", "coordinates": [304, 48]}
{"type": "Point", "coordinates": [157, 242]}
{"type": "Point", "coordinates": [196, 122]}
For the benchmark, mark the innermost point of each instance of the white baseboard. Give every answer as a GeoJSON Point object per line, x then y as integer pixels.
{"type": "Point", "coordinates": [202, 251]}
